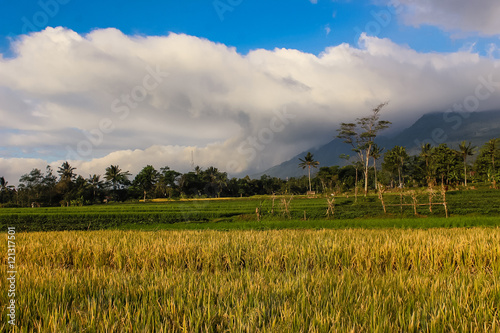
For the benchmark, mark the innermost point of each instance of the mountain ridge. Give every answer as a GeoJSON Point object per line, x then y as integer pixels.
{"type": "Point", "coordinates": [434, 128]}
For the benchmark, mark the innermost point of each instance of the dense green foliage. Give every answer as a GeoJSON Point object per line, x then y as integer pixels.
{"type": "Point", "coordinates": [433, 165]}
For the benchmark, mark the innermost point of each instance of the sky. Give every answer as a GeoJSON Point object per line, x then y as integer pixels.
{"type": "Point", "coordinates": [241, 85]}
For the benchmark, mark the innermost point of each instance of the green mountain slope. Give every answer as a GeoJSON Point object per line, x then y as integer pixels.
{"type": "Point", "coordinates": [434, 128]}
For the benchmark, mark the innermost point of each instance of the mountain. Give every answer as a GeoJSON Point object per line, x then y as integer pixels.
{"type": "Point", "coordinates": [435, 128]}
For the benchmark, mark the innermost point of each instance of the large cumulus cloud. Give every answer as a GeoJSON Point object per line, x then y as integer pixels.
{"type": "Point", "coordinates": [106, 98]}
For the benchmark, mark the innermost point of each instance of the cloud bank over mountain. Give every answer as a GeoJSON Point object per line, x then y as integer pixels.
{"type": "Point", "coordinates": [107, 98]}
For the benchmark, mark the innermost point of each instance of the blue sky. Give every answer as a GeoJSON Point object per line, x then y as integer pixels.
{"type": "Point", "coordinates": [238, 84]}
{"type": "Point", "coordinates": [244, 24]}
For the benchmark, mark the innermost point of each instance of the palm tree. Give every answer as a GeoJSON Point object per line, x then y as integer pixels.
{"type": "Point", "coordinates": [491, 148]}
{"type": "Point", "coordinates": [116, 176]}
{"type": "Point", "coordinates": [402, 156]}
{"type": "Point", "coordinates": [308, 162]}
{"type": "Point", "coordinates": [215, 179]}
{"type": "Point", "coordinates": [357, 165]}
{"type": "Point", "coordinates": [66, 173]}
{"type": "Point", "coordinates": [95, 183]}
{"type": "Point", "coordinates": [465, 150]}
{"type": "Point", "coordinates": [3, 184]}
{"type": "Point", "coordinates": [375, 154]}
{"type": "Point", "coordinates": [4, 187]}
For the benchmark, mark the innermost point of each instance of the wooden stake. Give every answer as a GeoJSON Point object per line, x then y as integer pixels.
{"type": "Point", "coordinates": [431, 194]}
{"type": "Point", "coordinates": [401, 200]}
{"type": "Point", "coordinates": [331, 207]}
{"type": "Point", "coordinates": [414, 197]}
{"type": "Point", "coordinates": [285, 206]}
{"type": "Point", "coordinates": [381, 196]}
{"type": "Point", "coordinates": [272, 208]}
{"type": "Point", "coordinates": [443, 192]}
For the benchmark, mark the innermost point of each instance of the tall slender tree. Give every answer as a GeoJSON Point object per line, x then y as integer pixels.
{"type": "Point", "coordinates": [376, 154]}
{"type": "Point", "coordinates": [402, 156]}
{"type": "Point", "coordinates": [361, 136]}
{"type": "Point", "coordinates": [308, 162]}
{"type": "Point", "coordinates": [50, 184]}
{"type": "Point", "coordinates": [426, 154]}
{"type": "Point", "coordinates": [395, 159]}
{"type": "Point", "coordinates": [465, 150]}
{"type": "Point", "coordinates": [357, 165]}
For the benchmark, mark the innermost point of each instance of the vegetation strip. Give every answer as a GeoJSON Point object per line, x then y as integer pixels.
{"type": "Point", "coordinates": [465, 209]}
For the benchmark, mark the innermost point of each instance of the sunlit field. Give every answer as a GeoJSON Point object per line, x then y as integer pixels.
{"type": "Point", "coordinates": [351, 280]}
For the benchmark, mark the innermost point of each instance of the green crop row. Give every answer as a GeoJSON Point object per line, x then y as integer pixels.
{"type": "Point", "coordinates": [97, 221]}
{"type": "Point", "coordinates": [459, 203]}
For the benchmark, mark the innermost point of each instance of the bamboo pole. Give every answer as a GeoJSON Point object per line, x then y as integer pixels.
{"type": "Point", "coordinates": [381, 196]}
{"type": "Point", "coordinates": [443, 192]}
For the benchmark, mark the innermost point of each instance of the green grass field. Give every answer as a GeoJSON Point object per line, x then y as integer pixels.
{"type": "Point", "coordinates": [467, 208]}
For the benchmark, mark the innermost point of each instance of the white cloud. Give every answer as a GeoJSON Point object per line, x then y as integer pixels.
{"type": "Point", "coordinates": [328, 29]}
{"type": "Point", "coordinates": [61, 91]}
{"type": "Point", "coordinates": [493, 51]}
{"type": "Point", "coordinates": [479, 16]}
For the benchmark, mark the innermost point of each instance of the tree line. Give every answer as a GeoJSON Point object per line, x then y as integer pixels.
{"type": "Point", "coordinates": [65, 187]}
{"type": "Point", "coordinates": [431, 166]}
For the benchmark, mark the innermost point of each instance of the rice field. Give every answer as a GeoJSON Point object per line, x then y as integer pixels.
{"type": "Point", "coordinates": [352, 280]}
